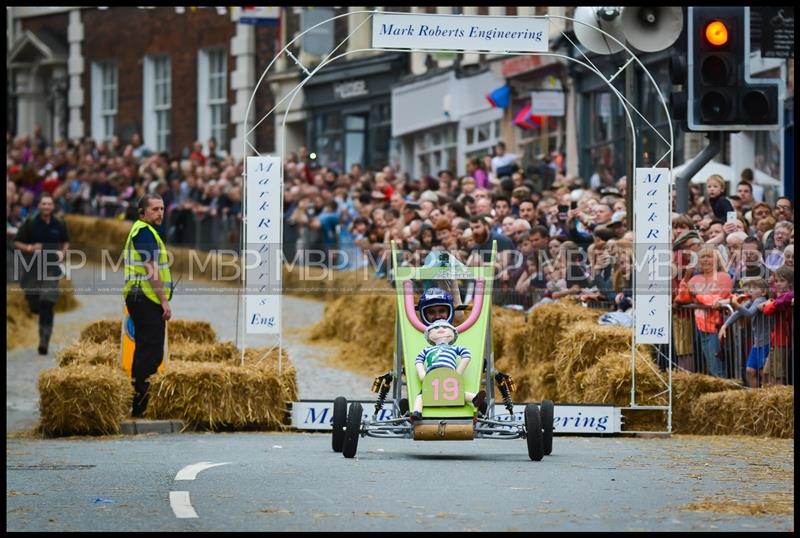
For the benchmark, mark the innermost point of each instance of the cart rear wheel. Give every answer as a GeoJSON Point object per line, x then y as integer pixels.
{"type": "Point", "coordinates": [533, 423]}
{"type": "Point", "coordinates": [353, 430]}
{"type": "Point", "coordinates": [547, 412]}
{"type": "Point", "coordinates": [339, 421]}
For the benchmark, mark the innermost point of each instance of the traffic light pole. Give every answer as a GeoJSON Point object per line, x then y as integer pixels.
{"type": "Point", "coordinates": [700, 160]}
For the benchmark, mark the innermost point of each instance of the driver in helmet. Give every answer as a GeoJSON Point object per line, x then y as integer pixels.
{"type": "Point", "coordinates": [435, 304]}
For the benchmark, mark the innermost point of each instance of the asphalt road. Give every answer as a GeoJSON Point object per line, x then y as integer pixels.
{"type": "Point", "coordinates": [295, 482]}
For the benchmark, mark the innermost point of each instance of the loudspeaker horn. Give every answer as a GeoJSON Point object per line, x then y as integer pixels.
{"type": "Point", "coordinates": [651, 29]}
{"type": "Point", "coordinates": [606, 19]}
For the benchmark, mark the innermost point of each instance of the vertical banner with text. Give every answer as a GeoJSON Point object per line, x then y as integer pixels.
{"type": "Point", "coordinates": [652, 209]}
{"type": "Point", "coordinates": [262, 255]}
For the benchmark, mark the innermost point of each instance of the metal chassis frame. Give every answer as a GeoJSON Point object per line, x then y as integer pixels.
{"type": "Point", "coordinates": [400, 428]}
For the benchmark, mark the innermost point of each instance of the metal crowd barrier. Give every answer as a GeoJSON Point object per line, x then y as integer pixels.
{"type": "Point", "coordinates": [203, 232]}
{"type": "Point", "coordinates": [692, 350]}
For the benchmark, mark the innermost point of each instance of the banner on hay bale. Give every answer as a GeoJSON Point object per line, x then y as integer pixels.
{"type": "Point", "coordinates": [598, 419]}
{"type": "Point", "coordinates": [652, 209]}
{"type": "Point", "coordinates": [263, 245]}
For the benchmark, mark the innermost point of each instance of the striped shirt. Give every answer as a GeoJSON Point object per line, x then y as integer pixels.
{"type": "Point", "coordinates": [442, 356]}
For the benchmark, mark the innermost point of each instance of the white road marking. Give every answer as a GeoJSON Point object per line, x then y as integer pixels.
{"type": "Point", "coordinates": [190, 471]}
{"type": "Point", "coordinates": [181, 505]}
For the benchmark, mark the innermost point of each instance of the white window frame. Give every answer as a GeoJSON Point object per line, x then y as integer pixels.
{"type": "Point", "coordinates": [440, 149]}
{"type": "Point", "coordinates": [492, 119]}
{"type": "Point", "coordinates": [102, 114]}
{"type": "Point", "coordinates": [157, 103]}
{"type": "Point", "coordinates": [206, 104]}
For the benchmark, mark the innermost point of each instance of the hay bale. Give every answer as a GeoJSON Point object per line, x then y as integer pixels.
{"type": "Point", "coordinates": [687, 387]}
{"type": "Point", "coordinates": [179, 331]}
{"type": "Point", "coordinates": [579, 349]}
{"type": "Point", "coordinates": [225, 352]}
{"type": "Point", "coordinates": [763, 412]}
{"type": "Point", "coordinates": [609, 380]}
{"type": "Point", "coordinates": [360, 322]}
{"type": "Point", "coordinates": [103, 331]}
{"type": "Point", "coordinates": [21, 324]}
{"type": "Point", "coordinates": [88, 352]}
{"type": "Point", "coordinates": [100, 239]}
{"type": "Point", "coordinates": [266, 359]}
{"type": "Point", "coordinates": [66, 298]}
{"type": "Point", "coordinates": [328, 284]}
{"type": "Point", "coordinates": [547, 323]}
{"type": "Point", "coordinates": [81, 399]}
{"type": "Point", "coordinates": [512, 332]}
{"type": "Point", "coordinates": [220, 396]}
{"type": "Point", "coordinates": [184, 330]}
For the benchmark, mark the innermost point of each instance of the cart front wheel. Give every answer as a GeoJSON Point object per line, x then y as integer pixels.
{"type": "Point", "coordinates": [353, 430]}
{"type": "Point", "coordinates": [533, 423]}
{"type": "Point", "coordinates": [339, 421]}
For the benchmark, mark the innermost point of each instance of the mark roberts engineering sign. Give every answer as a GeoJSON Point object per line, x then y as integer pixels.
{"type": "Point", "coordinates": [318, 414]}
{"type": "Point", "coordinates": [458, 32]}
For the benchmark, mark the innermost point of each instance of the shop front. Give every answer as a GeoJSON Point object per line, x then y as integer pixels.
{"type": "Point", "coordinates": [539, 85]}
{"type": "Point", "coordinates": [349, 111]}
{"type": "Point", "coordinates": [442, 118]}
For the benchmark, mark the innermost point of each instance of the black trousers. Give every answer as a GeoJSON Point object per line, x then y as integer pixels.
{"type": "Point", "coordinates": [149, 329]}
{"type": "Point", "coordinates": [41, 295]}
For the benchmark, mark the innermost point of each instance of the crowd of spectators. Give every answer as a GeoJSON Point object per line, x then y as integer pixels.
{"type": "Point", "coordinates": [107, 178]}
{"type": "Point", "coordinates": [557, 235]}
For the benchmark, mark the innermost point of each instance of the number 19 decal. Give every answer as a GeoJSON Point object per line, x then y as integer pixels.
{"type": "Point", "coordinates": [450, 386]}
{"type": "Point", "coordinates": [443, 387]}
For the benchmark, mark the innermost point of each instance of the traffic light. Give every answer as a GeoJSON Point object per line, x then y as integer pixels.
{"type": "Point", "coordinates": [721, 96]}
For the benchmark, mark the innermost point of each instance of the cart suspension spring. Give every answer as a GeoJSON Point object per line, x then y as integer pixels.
{"type": "Point", "coordinates": [506, 384]}
{"type": "Point", "coordinates": [381, 385]}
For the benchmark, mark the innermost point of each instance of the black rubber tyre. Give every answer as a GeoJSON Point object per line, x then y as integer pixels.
{"type": "Point", "coordinates": [533, 423]}
{"type": "Point", "coordinates": [339, 421]}
{"type": "Point", "coordinates": [547, 412]}
{"type": "Point", "coordinates": [403, 405]}
{"type": "Point", "coordinates": [353, 430]}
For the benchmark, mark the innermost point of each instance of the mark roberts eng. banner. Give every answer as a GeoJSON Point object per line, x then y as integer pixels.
{"type": "Point", "coordinates": [262, 245]}
{"type": "Point", "coordinates": [652, 209]}
{"type": "Point", "coordinates": [459, 32]}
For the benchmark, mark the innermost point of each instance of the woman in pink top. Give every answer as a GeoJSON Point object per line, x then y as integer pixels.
{"type": "Point", "coordinates": [711, 287]}
{"type": "Point", "coordinates": [475, 169]}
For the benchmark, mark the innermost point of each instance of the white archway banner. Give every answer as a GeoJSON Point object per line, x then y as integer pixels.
{"type": "Point", "coordinates": [263, 245]}
{"type": "Point", "coordinates": [653, 222]}
{"type": "Point", "coordinates": [459, 32]}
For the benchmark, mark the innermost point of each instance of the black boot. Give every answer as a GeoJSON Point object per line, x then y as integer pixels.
{"type": "Point", "coordinates": [44, 338]}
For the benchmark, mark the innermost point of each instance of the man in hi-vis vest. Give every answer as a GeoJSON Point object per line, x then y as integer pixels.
{"type": "Point", "coordinates": [147, 291]}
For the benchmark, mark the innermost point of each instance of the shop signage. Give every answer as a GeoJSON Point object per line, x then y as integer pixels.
{"type": "Point", "coordinates": [347, 90]}
{"type": "Point", "coordinates": [547, 103]}
{"type": "Point", "coordinates": [652, 210]}
{"type": "Point", "coordinates": [263, 245]}
{"type": "Point", "coordinates": [777, 32]}
{"type": "Point", "coordinates": [458, 32]}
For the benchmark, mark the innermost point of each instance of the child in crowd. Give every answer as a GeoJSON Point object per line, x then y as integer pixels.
{"type": "Point", "coordinates": [748, 305]}
{"type": "Point", "coordinates": [779, 362]}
